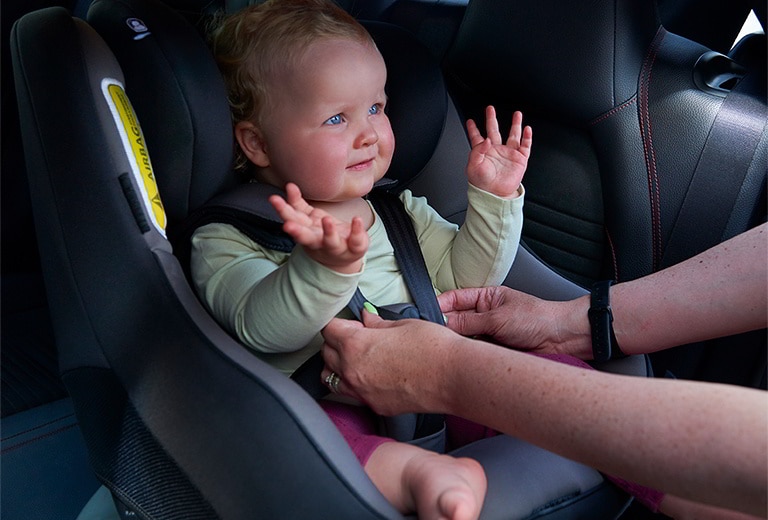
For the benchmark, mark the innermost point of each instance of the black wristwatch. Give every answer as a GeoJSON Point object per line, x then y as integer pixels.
{"type": "Point", "coordinates": [604, 344]}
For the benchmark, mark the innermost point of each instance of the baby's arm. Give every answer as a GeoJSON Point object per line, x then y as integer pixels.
{"type": "Point", "coordinates": [259, 293]}
{"type": "Point", "coordinates": [494, 166]}
{"type": "Point", "coordinates": [479, 253]}
{"type": "Point", "coordinates": [334, 244]}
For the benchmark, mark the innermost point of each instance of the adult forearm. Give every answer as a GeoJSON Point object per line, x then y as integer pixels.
{"type": "Point", "coordinates": [699, 441]}
{"type": "Point", "coordinates": [720, 292]}
{"type": "Point", "coordinates": [717, 293]}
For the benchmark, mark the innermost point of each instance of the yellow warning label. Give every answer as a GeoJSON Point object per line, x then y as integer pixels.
{"type": "Point", "coordinates": [135, 139]}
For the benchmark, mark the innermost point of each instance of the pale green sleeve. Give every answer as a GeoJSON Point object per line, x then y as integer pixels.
{"type": "Point", "coordinates": [273, 302]}
{"type": "Point", "coordinates": [480, 252]}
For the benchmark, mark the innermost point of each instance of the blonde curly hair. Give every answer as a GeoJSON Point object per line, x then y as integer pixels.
{"type": "Point", "coordinates": [253, 44]}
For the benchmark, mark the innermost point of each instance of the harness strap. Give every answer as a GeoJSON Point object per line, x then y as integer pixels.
{"type": "Point", "coordinates": [247, 208]}
{"type": "Point", "coordinates": [405, 245]}
{"type": "Point", "coordinates": [408, 254]}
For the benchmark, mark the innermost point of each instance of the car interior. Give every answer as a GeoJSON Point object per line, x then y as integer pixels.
{"type": "Point", "coordinates": [123, 398]}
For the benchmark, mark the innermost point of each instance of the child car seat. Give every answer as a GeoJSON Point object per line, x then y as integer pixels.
{"type": "Point", "coordinates": [180, 420]}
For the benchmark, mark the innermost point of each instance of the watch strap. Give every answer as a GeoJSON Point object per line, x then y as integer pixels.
{"type": "Point", "coordinates": [604, 344]}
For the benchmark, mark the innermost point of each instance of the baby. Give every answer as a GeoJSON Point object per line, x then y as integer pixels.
{"type": "Point", "coordinates": [306, 86]}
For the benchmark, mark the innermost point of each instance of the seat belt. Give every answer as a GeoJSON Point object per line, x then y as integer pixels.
{"type": "Point", "coordinates": [720, 171]}
{"type": "Point", "coordinates": [405, 244]}
{"type": "Point", "coordinates": [247, 208]}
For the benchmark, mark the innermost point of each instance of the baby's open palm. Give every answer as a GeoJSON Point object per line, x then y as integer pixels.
{"type": "Point", "coordinates": [335, 244]}
{"type": "Point", "coordinates": [495, 166]}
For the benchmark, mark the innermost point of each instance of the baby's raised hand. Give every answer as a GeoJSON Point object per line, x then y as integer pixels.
{"type": "Point", "coordinates": [495, 166]}
{"type": "Point", "coordinates": [330, 242]}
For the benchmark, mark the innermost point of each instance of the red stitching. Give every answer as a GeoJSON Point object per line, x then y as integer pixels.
{"type": "Point", "coordinates": [44, 436]}
{"type": "Point", "coordinates": [39, 426]}
{"type": "Point", "coordinates": [613, 255]}
{"type": "Point", "coordinates": [648, 150]}
{"type": "Point", "coordinates": [631, 101]}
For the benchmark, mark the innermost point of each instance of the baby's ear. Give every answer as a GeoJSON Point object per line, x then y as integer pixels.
{"type": "Point", "coordinates": [252, 143]}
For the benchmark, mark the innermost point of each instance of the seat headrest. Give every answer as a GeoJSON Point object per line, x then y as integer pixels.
{"type": "Point", "coordinates": [178, 94]}
{"type": "Point", "coordinates": [572, 59]}
{"type": "Point", "coordinates": [417, 99]}
{"type": "Point", "coordinates": [181, 101]}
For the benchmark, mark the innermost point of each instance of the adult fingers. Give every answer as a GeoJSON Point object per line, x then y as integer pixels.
{"type": "Point", "coordinates": [336, 384]}
{"type": "Point", "coordinates": [460, 299]}
{"type": "Point", "coordinates": [337, 331]}
{"type": "Point", "coordinates": [467, 323]}
{"type": "Point", "coordinates": [374, 321]}
{"type": "Point", "coordinates": [335, 347]}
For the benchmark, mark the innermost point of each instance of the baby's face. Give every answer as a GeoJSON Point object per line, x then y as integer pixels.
{"type": "Point", "coordinates": [325, 128]}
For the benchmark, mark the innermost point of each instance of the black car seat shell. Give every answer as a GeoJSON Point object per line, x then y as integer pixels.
{"type": "Point", "coordinates": [180, 420]}
{"type": "Point", "coordinates": [145, 394]}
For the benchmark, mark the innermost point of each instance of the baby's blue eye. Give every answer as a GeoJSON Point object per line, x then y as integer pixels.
{"type": "Point", "coordinates": [335, 120]}
{"type": "Point", "coordinates": [375, 109]}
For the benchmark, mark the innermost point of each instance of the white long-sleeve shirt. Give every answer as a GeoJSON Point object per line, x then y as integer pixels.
{"type": "Point", "coordinates": [277, 303]}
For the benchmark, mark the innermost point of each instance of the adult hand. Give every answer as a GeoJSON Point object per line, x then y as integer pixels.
{"type": "Point", "coordinates": [392, 366]}
{"type": "Point", "coordinates": [518, 320]}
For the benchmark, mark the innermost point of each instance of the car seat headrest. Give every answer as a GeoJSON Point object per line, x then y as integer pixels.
{"type": "Point", "coordinates": [417, 99]}
{"type": "Point", "coordinates": [178, 94]}
{"type": "Point", "coordinates": [180, 98]}
{"type": "Point", "coordinates": [571, 59]}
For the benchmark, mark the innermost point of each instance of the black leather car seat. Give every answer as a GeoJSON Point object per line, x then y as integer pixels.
{"type": "Point", "coordinates": [180, 420]}
{"type": "Point", "coordinates": [619, 125]}
{"type": "Point", "coordinates": [621, 180]}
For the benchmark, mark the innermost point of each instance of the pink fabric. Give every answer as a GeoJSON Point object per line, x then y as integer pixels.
{"type": "Point", "coordinates": [460, 432]}
{"type": "Point", "coordinates": [649, 497]}
{"type": "Point", "coordinates": [357, 425]}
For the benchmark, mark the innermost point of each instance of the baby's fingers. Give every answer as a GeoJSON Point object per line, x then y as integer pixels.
{"type": "Point", "coordinates": [277, 202]}
{"type": "Point", "coordinates": [519, 137]}
{"type": "Point", "coordinates": [331, 239]}
{"type": "Point", "coordinates": [287, 212]}
{"type": "Point", "coordinates": [515, 130]}
{"type": "Point", "coordinates": [527, 141]}
{"type": "Point", "coordinates": [283, 208]}
{"type": "Point", "coordinates": [357, 242]}
{"type": "Point", "coordinates": [475, 137]}
{"type": "Point", "coordinates": [296, 200]}
{"type": "Point", "coordinates": [306, 236]}
{"type": "Point", "coordinates": [492, 125]}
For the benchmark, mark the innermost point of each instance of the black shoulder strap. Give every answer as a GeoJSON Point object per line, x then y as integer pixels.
{"type": "Point", "coordinates": [408, 254]}
{"type": "Point", "coordinates": [720, 172]}
{"type": "Point", "coordinates": [247, 208]}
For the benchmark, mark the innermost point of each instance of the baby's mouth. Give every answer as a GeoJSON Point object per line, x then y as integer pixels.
{"type": "Point", "coordinates": [362, 165]}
